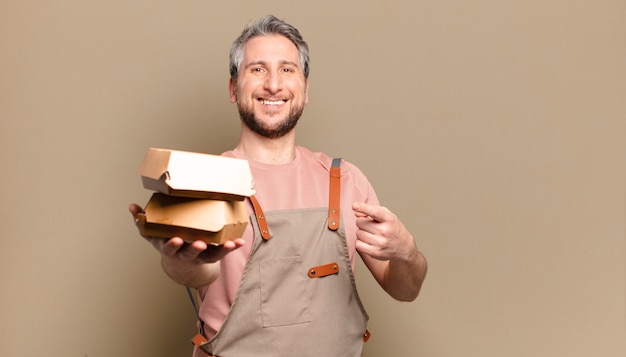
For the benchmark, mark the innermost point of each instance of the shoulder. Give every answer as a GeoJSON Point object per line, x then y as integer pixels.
{"type": "Point", "coordinates": [324, 160]}
{"type": "Point", "coordinates": [229, 153]}
{"type": "Point", "coordinates": [350, 173]}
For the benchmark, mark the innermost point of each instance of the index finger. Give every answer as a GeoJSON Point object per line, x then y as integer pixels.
{"type": "Point", "coordinates": [377, 213]}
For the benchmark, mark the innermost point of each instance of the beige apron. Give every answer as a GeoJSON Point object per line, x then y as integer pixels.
{"type": "Point", "coordinates": [297, 295]}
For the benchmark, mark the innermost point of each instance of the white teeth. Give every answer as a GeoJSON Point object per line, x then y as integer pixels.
{"type": "Point", "coordinates": [272, 102]}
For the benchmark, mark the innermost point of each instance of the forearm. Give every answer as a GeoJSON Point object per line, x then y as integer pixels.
{"type": "Point", "coordinates": [404, 276]}
{"type": "Point", "coordinates": [193, 276]}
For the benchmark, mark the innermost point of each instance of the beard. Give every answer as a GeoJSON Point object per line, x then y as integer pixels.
{"type": "Point", "coordinates": [249, 119]}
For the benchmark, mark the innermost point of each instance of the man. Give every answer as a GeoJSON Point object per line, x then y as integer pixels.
{"type": "Point", "coordinates": [287, 286]}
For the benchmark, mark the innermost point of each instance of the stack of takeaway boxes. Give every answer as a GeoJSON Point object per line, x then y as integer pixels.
{"type": "Point", "coordinates": [198, 196]}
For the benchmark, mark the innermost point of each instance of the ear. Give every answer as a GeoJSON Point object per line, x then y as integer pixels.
{"type": "Point", "coordinates": [306, 91]}
{"type": "Point", "coordinates": [232, 89]}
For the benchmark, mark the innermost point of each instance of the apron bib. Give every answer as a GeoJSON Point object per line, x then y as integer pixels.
{"type": "Point", "coordinates": [297, 295]}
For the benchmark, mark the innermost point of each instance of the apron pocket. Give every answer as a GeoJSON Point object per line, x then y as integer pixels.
{"type": "Point", "coordinates": [284, 291]}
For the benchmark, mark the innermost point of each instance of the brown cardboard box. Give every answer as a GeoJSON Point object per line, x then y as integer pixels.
{"type": "Point", "coordinates": [190, 174]}
{"type": "Point", "coordinates": [212, 221]}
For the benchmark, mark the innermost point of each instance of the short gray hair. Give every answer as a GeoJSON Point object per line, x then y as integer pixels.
{"type": "Point", "coordinates": [268, 25]}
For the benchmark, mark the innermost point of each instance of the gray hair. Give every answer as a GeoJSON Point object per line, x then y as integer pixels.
{"type": "Point", "coordinates": [268, 25]}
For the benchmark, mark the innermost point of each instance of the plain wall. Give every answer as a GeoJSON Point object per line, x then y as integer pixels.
{"type": "Point", "coordinates": [496, 130]}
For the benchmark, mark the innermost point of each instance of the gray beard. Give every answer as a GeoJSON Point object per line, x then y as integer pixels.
{"type": "Point", "coordinates": [250, 121]}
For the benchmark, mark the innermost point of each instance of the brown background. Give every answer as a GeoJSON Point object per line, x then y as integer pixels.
{"type": "Point", "coordinates": [495, 129]}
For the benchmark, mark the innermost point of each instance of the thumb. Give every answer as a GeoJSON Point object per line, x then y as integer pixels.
{"type": "Point", "coordinates": [135, 209]}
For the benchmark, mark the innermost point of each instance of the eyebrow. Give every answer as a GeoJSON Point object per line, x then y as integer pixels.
{"type": "Point", "coordinates": [264, 63]}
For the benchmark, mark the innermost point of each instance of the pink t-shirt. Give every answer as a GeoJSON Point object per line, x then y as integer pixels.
{"type": "Point", "coordinates": [302, 183]}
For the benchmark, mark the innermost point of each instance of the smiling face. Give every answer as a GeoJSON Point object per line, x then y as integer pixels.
{"type": "Point", "coordinates": [270, 89]}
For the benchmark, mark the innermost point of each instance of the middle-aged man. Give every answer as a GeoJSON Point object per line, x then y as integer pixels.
{"type": "Point", "coordinates": [287, 288]}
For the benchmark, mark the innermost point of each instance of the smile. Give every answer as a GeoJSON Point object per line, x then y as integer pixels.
{"type": "Point", "coordinates": [272, 102]}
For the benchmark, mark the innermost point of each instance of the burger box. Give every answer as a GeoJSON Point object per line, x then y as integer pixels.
{"type": "Point", "coordinates": [190, 174]}
{"type": "Point", "coordinates": [212, 221]}
{"type": "Point", "coordinates": [198, 196]}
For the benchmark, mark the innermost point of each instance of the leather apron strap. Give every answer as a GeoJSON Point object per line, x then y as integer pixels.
{"type": "Point", "coordinates": [260, 217]}
{"type": "Point", "coordinates": [334, 195]}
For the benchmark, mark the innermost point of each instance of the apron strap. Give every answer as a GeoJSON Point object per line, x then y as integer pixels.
{"type": "Point", "coordinates": [199, 338]}
{"type": "Point", "coordinates": [260, 218]}
{"type": "Point", "coordinates": [334, 194]}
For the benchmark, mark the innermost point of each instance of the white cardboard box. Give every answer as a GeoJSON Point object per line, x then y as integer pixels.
{"type": "Point", "coordinates": [190, 174]}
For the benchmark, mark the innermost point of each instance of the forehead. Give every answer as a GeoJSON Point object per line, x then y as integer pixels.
{"type": "Point", "coordinates": [270, 48]}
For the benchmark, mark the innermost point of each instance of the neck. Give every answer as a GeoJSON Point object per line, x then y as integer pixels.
{"type": "Point", "coordinates": [269, 151]}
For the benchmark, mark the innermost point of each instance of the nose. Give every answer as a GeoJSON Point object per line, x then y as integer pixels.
{"type": "Point", "coordinates": [273, 82]}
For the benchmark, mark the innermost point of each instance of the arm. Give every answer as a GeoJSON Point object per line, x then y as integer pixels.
{"type": "Point", "coordinates": [192, 264]}
{"type": "Point", "coordinates": [389, 251]}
